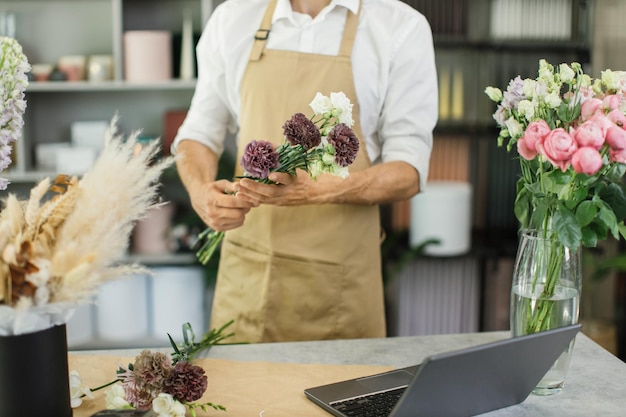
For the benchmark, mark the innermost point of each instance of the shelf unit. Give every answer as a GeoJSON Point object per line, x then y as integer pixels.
{"type": "Point", "coordinates": [471, 54]}
{"type": "Point", "coordinates": [48, 30]}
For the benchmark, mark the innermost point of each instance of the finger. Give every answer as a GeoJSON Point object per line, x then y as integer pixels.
{"type": "Point", "coordinates": [282, 178]}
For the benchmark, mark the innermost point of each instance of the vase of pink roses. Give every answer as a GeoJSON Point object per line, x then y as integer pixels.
{"type": "Point", "coordinates": [569, 132]}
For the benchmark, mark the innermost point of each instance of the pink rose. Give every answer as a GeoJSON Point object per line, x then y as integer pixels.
{"type": "Point", "coordinates": [617, 117]}
{"type": "Point", "coordinates": [587, 160]}
{"type": "Point", "coordinates": [617, 155]}
{"type": "Point", "coordinates": [558, 147]}
{"type": "Point", "coordinates": [534, 133]}
{"type": "Point", "coordinates": [590, 107]}
{"type": "Point", "coordinates": [589, 134]}
{"type": "Point", "coordinates": [611, 102]}
{"type": "Point", "coordinates": [603, 122]}
{"type": "Point", "coordinates": [616, 138]}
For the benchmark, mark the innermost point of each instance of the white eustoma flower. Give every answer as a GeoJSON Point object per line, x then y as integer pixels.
{"type": "Point", "coordinates": [166, 406]}
{"type": "Point", "coordinates": [566, 73]}
{"type": "Point", "coordinates": [342, 108]}
{"type": "Point", "coordinates": [115, 398]}
{"type": "Point", "coordinates": [494, 93]}
{"type": "Point", "coordinates": [553, 100]}
{"type": "Point", "coordinates": [527, 109]}
{"type": "Point", "coordinates": [514, 127]}
{"type": "Point", "coordinates": [611, 79]}
{"type": "Point", "coordinates": [321, 104]}
{"type": "Point", "coordinates": [529, 87]}
{"type": "Point", "coordinates": [77, 390]}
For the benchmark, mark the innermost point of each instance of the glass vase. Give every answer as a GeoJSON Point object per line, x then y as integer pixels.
{"type": "Point", "coordinates": [545, 294]}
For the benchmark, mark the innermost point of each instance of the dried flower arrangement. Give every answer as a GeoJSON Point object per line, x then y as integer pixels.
{"type": "Point", "coordinates": [68, 238]}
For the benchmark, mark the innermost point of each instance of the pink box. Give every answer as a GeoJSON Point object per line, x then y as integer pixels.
{"type": "Point", "coordinates": [147, 55]}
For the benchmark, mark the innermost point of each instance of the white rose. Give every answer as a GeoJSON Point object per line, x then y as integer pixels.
{"type": "Point", "coordinates": [342, 108]}
{"type": "Point", "coordinates": [321, 104]}
{"type": "Point", "coordinates": [166, 406]}
{"type": "Point", "coordinates": [553, 100]}
{"type": "Point", "coordinates": [77, 390]}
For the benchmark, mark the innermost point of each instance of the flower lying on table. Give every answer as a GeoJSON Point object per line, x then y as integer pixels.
{"type": "Point", "coordinates": [570, 131]}
{"type": "Point", "coordinates": [322, 144]}
{"type": "Point", "coordinates": [168, 385]}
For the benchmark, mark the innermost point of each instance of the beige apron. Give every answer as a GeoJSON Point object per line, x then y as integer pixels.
{"type": "Point", "coordinates": [306, 272]}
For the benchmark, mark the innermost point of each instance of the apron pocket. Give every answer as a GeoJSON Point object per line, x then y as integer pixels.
{"type": "Point", "coordinates": [303, 300]}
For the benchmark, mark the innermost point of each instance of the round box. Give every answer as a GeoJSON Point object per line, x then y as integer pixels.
{"type": "Point", "coordinates": [442, 212]}
{"type": "Point", "coordinates": [147, 55]}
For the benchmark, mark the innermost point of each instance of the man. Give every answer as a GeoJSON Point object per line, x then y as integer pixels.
{"type": "Point", "coordinates": [301, 258]}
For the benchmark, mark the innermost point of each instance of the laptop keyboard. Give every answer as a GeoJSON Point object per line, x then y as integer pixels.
{"type": "Point", "coordinates": [374, 405]}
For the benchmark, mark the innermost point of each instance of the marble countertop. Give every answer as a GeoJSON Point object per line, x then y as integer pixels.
{"type": "Point", "coordinates": [594, 386]}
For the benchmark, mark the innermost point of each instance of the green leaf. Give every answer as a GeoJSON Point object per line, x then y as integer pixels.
{"type": "Point", "coordinates": [565, 224]}
{"type": "Point", "coordinates": [622, 230]}
{"type": "Point", "coordinates": [590, 238]}
{"type": "Point", "coordinates": [522, 208]}
{"type": "Point", "coordinates": [607, 217]}
{"type": "Point", "coordinates": [615, 196]}
{"type": "Point", "coordinates": [586, 212]}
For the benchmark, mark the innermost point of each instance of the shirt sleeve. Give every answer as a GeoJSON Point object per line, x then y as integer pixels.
{"type": "Point", "coordinates": [410, 109]}
{"type": "Point", "coordinates": [209, 117]}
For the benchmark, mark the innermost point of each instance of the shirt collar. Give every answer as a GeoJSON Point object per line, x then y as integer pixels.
{"type": "Point", "coordinates": [283, 8]}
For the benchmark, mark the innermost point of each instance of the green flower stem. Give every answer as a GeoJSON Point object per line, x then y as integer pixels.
{"type": "Point", "coordinates": [539, 317]}
{"type": "Point", "coordinates": [208, 240]}
{"type": "Point", "coordinates": [108, 384]}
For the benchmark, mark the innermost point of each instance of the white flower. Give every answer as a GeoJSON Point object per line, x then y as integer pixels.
{"type": "Point", "coordinates": [342, 108]}
{"type": "Point", "coordinates": [115, 398]}
{"type": "Point", "coordinates": [77, 390]}
{"type": "Point", "coordinates": [494, 93]}
{"type": "Point", "coordinates": [13, 69]}
{"type": "Point", "coordinates": [514, 127]}
{"type": "Point", "coordinates": [526, 108]}
{"type": "Point", "coordinates": [321, 104]}
{"type": "Point", "coordinates": [611, 79]}
{"type": "Point", "coordinates": [166, 406]}
{"type": "Point", "coordinates": [566, 73]}
{"type": "Point", "coordinates": [529, 87]}
{"type": "Point", "coordinates": [553, 100]}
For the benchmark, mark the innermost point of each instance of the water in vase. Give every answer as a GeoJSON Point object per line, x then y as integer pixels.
{"type": "Point", "coordinates": [565, 303]}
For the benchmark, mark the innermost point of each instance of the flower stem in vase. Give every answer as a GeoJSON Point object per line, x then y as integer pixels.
{"type": "Point", "coordinates": [540, 315]}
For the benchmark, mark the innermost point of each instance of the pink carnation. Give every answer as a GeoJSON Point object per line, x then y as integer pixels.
{"type": "Point", "coordinates": [558, 147]}
{"type": "Point", "coordinates": [587, 160]}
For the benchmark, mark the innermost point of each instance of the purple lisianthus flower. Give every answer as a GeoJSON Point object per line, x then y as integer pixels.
{"type": "Point", "coordinates": [514, 93]}
{"type": "Point", "coordinates": [346, 144]}
{"type": "Point", "coordinates": [187, 383]}
{"type": "Point", "coordinates": [259, 158]}
{"type": "Point", "coordinates": [300, 130]}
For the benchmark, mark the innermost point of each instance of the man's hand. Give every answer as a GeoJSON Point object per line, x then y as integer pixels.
{"type": "Point", "coordinates": [219, 206]}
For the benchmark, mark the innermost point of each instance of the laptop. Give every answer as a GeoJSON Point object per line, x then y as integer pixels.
{"type": "Point", "coordinates": [460, 383]}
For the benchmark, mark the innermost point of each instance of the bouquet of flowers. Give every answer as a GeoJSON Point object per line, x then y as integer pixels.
{"type": "Point", "coordinates": [13, 82]}
{"type": "Point", "coordinates": [322, 144]}
{"type": "Point", "coordinates": [569, 131]}
{"type": "Point", "coordinates": [168, 385]}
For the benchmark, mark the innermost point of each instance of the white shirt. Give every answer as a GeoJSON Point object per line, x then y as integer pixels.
{"type": "Point", "coordinates": [393, 65]}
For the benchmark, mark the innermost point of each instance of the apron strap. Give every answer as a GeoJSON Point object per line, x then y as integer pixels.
{"type": "Point", "coordinates": [261, 35]}
{"type": "Point", "coordinates": [349, 33]}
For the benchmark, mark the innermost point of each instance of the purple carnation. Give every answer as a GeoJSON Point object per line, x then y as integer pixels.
{"type": "Point", "coordinates": [259, 158]}
{"type": "Point", "coordinates": [299, 130]}
{"type": "Point", "coordinates": [346, 144]}
{"type": "Point", "coordinates": [142, 383]}
{"type": "Point", "coordinates": [187, 383]}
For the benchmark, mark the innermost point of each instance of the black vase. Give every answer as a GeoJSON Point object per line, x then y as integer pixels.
{"type": "Point", "coordinates": [34, 378]}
